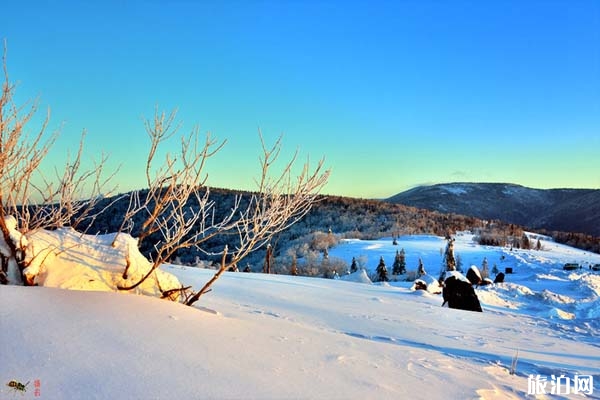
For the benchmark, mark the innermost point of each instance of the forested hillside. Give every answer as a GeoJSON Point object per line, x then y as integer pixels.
{"type": "Point", "coordinates": [566, 210]}
{"type": "Point", "coordinates": [309, 238]}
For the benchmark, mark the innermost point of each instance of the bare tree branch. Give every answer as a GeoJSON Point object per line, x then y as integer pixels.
{"type": "Point", "coordinates": [67, 199]}
{"type": "Point", "coordinates": [185, 218]}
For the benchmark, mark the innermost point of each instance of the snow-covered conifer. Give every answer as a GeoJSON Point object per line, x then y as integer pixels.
{"type": "Point", "coordinates": [449, 260]}
{"type": "Point", "coordinates": [485, 272]}
{"type": "Point", "coordinates": [399, 266]}
{"type": "Point", "coordinates": [421, 269]}
{"type": "Point", "coordinates": [381, 270]}
{"type": "Point", "coordinates": [354, 266]}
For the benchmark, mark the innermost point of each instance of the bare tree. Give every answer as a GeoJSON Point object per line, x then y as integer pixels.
{"type": "Point", "coordinates": [279, 203]}
{"type": "Point", "coordinates": [174, 205]}
{"type": "Point", "coordinates": [32, 199]}
{"type": "Point", "coordinates": [178, 204]}
{"type": "Point", "coordinates": [20, 156]}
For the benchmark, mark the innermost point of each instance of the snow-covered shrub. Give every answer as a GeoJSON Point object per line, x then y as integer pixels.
{"type": "Point", "coordinates": [67, 259]}
{"type": "Point", "coordinates": [427, 283]}
{"type": "Point", "coordinates": [358, 276]}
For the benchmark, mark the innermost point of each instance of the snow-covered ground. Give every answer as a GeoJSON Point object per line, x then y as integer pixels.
{"type": "Point", "coordinates": [257, 336]}
{"type": "Point", "coordinates": [538, 285]}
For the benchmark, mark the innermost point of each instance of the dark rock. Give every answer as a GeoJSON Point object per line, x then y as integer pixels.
{"type": "Point", "coordinates": [460, 294]}
{"type": "Point", "coordinates": [473, 275]}
{"type": "Point", "coordinates": [486, 281]}
{"type": "Point", "coordinates": [499, 278]}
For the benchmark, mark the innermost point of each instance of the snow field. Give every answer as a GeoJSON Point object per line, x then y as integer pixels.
{"type": "Point", "coordinates": [284, 337]}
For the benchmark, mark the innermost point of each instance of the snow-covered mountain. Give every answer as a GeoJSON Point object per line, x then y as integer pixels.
{"type": "Point", "coordinates": [258, 336]}
{"type": "Point", "coordinates": [568, 210]}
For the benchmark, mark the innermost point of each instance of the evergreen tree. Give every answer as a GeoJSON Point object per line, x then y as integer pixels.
{"type": "Point", "coordinates": [396, 265]}
{"type": "Point", "coordinates": [381, 271]}
{"type": "Point", "coordinates": [449, 259]}
{"type": "Point", "coordinates": [421, 269]}
{"type": "Point", "coordinates": [354, 266]}
{"type": "Point", "coordinates": [402, 261]}
{"type": "Point", "coordinates": [485, 272]}
{"type": "Point", "coordinates": [538, 246]}
{"type": "Point", "coordinates": [399, 266]}
{"type": "Point", "coordinates": [495, 270]}
{"type": "Point", "coordinates": [459, 263]}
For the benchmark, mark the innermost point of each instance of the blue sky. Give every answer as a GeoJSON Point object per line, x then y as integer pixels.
{"type": "Point", "coordinates": [393, 94]}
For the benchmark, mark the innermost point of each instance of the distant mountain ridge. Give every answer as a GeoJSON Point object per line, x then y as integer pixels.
{"type": "Point", "coordinates": [568, 210]}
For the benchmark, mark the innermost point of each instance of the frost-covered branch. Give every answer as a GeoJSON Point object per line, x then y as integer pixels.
{"type": "Point", "coordinates": [179, 207]}
{"type": "Point", "coordinates": [173, 204]}
{"type": "Point", "coordinates": [280, 202]}
{"type": "Point", "coordinates": [34, 200]}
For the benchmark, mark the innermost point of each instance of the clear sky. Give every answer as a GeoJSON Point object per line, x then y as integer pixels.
{"type": "Point", "coordinates": [393, 94]}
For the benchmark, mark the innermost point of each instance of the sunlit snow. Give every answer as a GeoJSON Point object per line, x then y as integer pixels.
{"type": "Point", "coordinates": [257, 336]}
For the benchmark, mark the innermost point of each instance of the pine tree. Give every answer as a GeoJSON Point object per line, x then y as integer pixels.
{"type": "Point", "coordinates": [354, 266]}
{"type": "Point", "coordinates": [421, 269]}
{"type": "Point", "coordinates": [495, 270]}
{"type": "Point", "coordinates": [381, 271]}
{"type": "Point", "coordinates": [485, 272]}
{"type": "Point", "coordinates": [538, 246]}
{"type": "Point", "coordinates": [449, 259]}
{"type": "Point", "coordinates": [399, 266]}
{"type": "Point", "coordinates": [459, 263]}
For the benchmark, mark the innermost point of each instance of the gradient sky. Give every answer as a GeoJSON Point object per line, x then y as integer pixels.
{"type": "Point", "coordinates": [393, 94]}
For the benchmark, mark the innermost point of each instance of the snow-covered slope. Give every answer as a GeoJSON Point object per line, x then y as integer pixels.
{"type": "Point", "coordinates": [538, 285]}
{"type": "Point", "coordinates": [261, 336]}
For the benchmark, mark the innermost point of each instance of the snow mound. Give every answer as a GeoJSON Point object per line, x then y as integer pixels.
{"type": "Point", "coordinates": [554, 298]}
{"type": "Point", "coordinates": [514, 290]}
{"type": "Point", "coordinates": [359, 276]}
{"type": "Point", "coordinates": [550, 277]}
{"type": "Point", "coordinates": [591, 283]}
{"type": "Point", "coordinates": [554, 313]}
{"type": "Point", "coordinates": [459, 276]}
{"type": "Point", "coordinates": [64, 258]}
{"type": "Point", "coordinates": [429, 282]}
{"type": "Point", "coordinates": [490, 297]}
